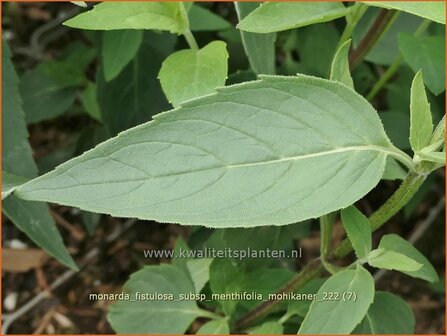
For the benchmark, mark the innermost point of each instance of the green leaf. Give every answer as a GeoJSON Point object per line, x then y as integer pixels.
{"type": "Point", "coordinates": [358, 229]}
{"type": "Point", "coordinates": [90, 102]}
{"type": "Point", "coordinates": [265, 282]}
{"type": "Point", "coordinates": [203, 162]}
{"type": "Point", "coordinates": [43, 97]}
{"type": "Point", "coordinates": [202, 19]}
{"type": "Point", "coordinates": [225, 278]}
{"type": "Point", "coordinates": [277, 16]}
{"type": "Point", "coordinates": [267, 328]}
{"type": "Point", "coordinates": [397, 127]}
{"type": "Point", "coordinates": [132, 15]}
{"type": "Point", "coordinates": [340, 66]}
{"type": "Point", "coordinates": [392, 242]}
{"type": "Point", "coordinates": [388, 314]}
{"type": "Point", "coordinates": [217, 327]}
{"type": "Point", "coordinates": [135, 94]}
{"type": "Point", "coordinates": [188, 74]}
{"type": "Point", "coordinates": [432, 10]}
{"type": "Point", "coordinates": [301, 307]}
{"type": "Point", "coordinates": [119, 47]}
{"type": "Point", "coordinates": [10, 182]}
{"type": "Point", "coordinates": [199, 271]}
{"type": "Point", "coordinates": [32, 218]}
{"type": "Point", "coordinates": [90, 220]}
{"type": "Point", "coordinates": [428, 54]}
{"type": "Point", "coordinates": [157, 316]}
{"type": "Point", "coordinates": [421, 123]}
{"type": "Point", "coordinates": [340, 316]}
{"type": "Point", "coordinates": [260, 48]}
{"type": "Point", "coordinates": [393, 170]}
{"type": "Point", "coordinates": [382, 258]}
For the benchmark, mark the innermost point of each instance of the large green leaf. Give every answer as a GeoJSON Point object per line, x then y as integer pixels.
{"type": "Point", "coordinates": [392, 242]}
{"type": "Point", "coordinates": [358, 229]}
{"type": "Point", "coordinates": [428, 54]}
{"type": "Point", "coordinates": [342, 315]}
{"type": "Point", "coordinates": [118, 49]}
{"type": "Point", "coordinates": [43, 97]}
{"type": "Point", "coordinates": [201, 19]}
{"type": "Point", "coordinates": [277, 16]}
{"type": "Point", "coordinates": [188, 74]}
{"type": "Point", "coordinates": [32, 218]}
{"type": "Point", "coordinates": [274, 151]}
{"type": "Point", "coordinates": [133, 15]}
{"type": "Point", "coordinates": [433, 10]}
{"type": "Point", "coordinates": [388, 314]}
{"type": "Point", "coordinates": [135, 94]}
{"type": "Point", "coordinates": [421, 123]}
{"type": "Point", "coordinates": [170, 315]}
{"type": "Point", "coordinates": [260, 48]}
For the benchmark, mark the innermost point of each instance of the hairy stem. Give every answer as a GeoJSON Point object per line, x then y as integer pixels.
{"type": "Point", "coordinates": [395, 65]}
{"type": "Point", "coordinates": [381, 24]}
{"type": "Point", "coordinates": [315, 268]}
{"type": "Point", "coordinates": [191, 40]}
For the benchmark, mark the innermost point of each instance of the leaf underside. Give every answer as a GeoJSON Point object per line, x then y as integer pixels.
{"type": "Point", "coordinates": [269, 152]}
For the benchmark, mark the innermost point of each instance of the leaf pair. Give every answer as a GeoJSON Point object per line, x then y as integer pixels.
{"type": "Point", "coordinates": [393, 253]}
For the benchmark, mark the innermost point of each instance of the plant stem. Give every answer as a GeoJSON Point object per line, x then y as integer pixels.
{"type": "Point", "coordinates": [397, 201]}
{"type": "Point", "coordinates": [383, 21]}
{"type": "Point", "coordinates": [353, 17]}
{"type": "Point", "coordinates": [326, 226]}
{"type": "Point", "coordinates": [191, 40]}
{"type": "Point", "coordinates": [401, 196]}
{"type": "Point", "coordinates": [395, 65]}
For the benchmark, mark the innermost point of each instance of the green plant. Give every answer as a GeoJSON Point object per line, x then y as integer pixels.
{"type": "Point", "coordinates": [249, 158]}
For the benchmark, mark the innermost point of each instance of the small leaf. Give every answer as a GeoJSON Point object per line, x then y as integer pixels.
{"type": "Point", "coordinates": [155, 316]}
{"type": "Point", "coordinates": [340, 316]}
{"type": "Point", "coordinates": [231, 158]}
{"type": "Point", "coordinates": [390, 260]}
{"type": "Point", "coordinates": [217, 327]}
{"type": "Point", "coordinates": [43, 97]}
{"type": "Point", "coordinates": [421, 123]}
{"type": "Point", "coordinates": [388, 314]}
{"type": "Point", "coordinates": [432, 10]}
{"type": "Point", "coordinates": [199, 269]}
{"type": "Point", "coordinates": [225, 278]}
{"type": "Point", "coordinates": [301, 307]}
{"type": "Point", "coordinates": [119, 47]}
{"type": "Point", "coordinates": [358, 229]}
{"type": "Point", "coordinates": [437, 157]}
{"type": "Point", "coordinates": [393, 170]}
{"type": "Point", "coordinates": [268, 328]}
{"type": "Point", "coordinates": [132, 15]}
{"type": "Point", "coordinates": [260, 48]}
{"type": "Point", "coordinates": [136, 90]}
{"type": "Point", "coordinates": [392, 242]}
{"type": "Point", "coordinates": [340, 66]}
{"type": "Point", "coordinates": [277, 16]}
{"type": "Point", "coordinates": [89, 101]}
{"type": "Point", "coordinates": [90, 220]}
{"type": "Point", "coordinates": [202, 19]}
{"type": "Point", "coordinates": [10, 182]}
{"type": "Point", "coordinates": [188, 74]}
{"type": "Point", "coordinates": [426, 53]}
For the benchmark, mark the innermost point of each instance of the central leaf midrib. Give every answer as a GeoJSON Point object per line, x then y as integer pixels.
{"type": "Point", "coordinates": [251, 164]}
